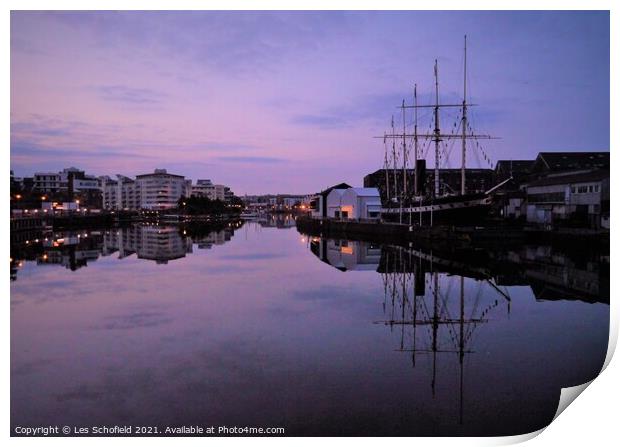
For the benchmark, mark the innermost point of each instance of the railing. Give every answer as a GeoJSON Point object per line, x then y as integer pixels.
{"type": "Point", "coordinates": [353, 220]}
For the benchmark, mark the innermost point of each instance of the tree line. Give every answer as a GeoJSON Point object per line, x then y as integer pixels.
{"type": "Point", "coordinates": [203, 205]}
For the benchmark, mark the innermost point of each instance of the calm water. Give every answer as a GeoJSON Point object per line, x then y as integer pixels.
{"type": "Point", "coordinates": [262, 326]}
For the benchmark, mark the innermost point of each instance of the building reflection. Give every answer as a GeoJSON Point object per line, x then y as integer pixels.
{"type": "Point", "coordinates": [347, 255]}
{"type": "Point", "coordinates": [75, 249]}
{"type": "Point", "coordinates": [555, 275]}
{"type": "Point", "coordinates": [435, 302]}
{"type": "Point", "coordinates": [152, 242]}
{"type": "Point", "coordinates": [552, 274]}
{"type": "Point", "coordinates": [276, 220]}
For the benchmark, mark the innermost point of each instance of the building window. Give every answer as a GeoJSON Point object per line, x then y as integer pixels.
{"type": "Point", "coordinates": [550, 197]}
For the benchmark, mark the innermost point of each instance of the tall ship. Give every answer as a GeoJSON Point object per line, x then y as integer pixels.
{"type": "Point", "coordinates": [407, 196]}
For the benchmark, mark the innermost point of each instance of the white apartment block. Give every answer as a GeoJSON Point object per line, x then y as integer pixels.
{"type": "Point", "coordinates": [220, 192]}
{"type": "Point", "coordinates": [156, 191]}
{"type": "Point", "coordinates": [88, 183]}
{"type": "Point", "coordinates": [47, 181]}
{"type": "Point", "coordinates": [160, 190]}
{"type": "Point", "coordinates": [60, 181]}
{"type": "Point", "coordinates": [120, 194]}
{"type": "Point", "coordinates": [205, 188]}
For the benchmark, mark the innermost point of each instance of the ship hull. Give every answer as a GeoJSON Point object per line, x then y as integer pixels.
{"type": "Point", "coordinates": [458, 210]}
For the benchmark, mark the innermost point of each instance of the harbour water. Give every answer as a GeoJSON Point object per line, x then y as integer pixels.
{"type": "Point", "coordinates": [261, 326]}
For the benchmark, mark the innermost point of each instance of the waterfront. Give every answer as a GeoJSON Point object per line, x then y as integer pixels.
{"type": "Point", "coordinates": [259, 325]}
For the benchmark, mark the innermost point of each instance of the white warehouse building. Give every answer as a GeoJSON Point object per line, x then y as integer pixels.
{"type": "Point", "coordinates": [354, 203]}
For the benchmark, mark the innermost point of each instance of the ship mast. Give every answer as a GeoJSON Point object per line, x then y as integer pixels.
{"type": "Point", "coordinates": [464, 120]}
{"type": "Point", "coordinates": [435, 136]}
{"type": "Point", "coordinates": [437, 132]}
{"type": "Point", "coordinates": [415, 138]}
{"type": "Point", "coordinates": [386, 167]}
{"type": "Point", "coordinates": [394, 157]}
{"type": "Point", "coordinates": [402, 199]}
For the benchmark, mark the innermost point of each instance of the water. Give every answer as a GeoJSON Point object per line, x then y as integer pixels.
{"type": "Point", "coordinates": [265, 327]}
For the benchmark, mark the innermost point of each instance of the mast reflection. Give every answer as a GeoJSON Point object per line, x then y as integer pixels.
{"type": "Point", "coordinates": [436, 301]}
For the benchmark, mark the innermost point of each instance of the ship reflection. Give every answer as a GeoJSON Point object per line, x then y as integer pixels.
{"type": "Point", "coordinates": [431, 310]}
{"type": "Point", "coordinates": [550, 273]}
{"type": "Point", "coordinates": [75, 249]}
{"type": "Point", "coordinates": [435, 302]}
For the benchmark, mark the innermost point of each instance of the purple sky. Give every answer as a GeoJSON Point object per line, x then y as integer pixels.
{"type": "Point", "coordinates": [272, 102]}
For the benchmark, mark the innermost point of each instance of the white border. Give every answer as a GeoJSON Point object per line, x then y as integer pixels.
{"type": "Point", "coordinates": [592, 420]}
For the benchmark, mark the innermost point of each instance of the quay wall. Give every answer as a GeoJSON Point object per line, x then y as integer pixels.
{"type": "Point", "coordinates": [492, 234]}
{"type": "Point", "coordinates": [380, 232]}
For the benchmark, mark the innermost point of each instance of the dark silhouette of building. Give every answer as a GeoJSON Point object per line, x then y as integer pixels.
{"type": "Point", "coordinates": [476, 180]}
{"type": "Point", "coordinates": [547, 162]}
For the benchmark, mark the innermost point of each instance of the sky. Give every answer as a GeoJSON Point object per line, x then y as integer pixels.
{"type": "Point", "coordinates": [291, 102]}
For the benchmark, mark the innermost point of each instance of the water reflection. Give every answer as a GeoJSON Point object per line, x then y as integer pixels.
{"type": "Point", "coordinates": [320, 336]}
{"type": "Point", "coordinates": [550, 273]}
{"type": "Point", "coordinates": [74, 249]}
{"type": "Point", "coordinates": [427, 304]}
{"type": "Point", "coordinates": [347, 255]}
{"type": "Point", "coordinates": [280, 220]}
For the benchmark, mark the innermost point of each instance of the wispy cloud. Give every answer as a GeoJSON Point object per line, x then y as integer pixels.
{"type": "Point", "coordinates": [25, 46]}
{"type": "Point", "coordinates": [242, 159]}
{"type": "Point", "coordinates": [226, 146]}
{"type": "Point", "coordinates": [24, 149]}
{"type": "Point", "coordinates": [364, 109]}
{"type": "Point", "coordinates": [240, 44]}
{"type": "Point", "coordinates": [130, 95]}
{"type": "Point", "coordinates": [324, 121]}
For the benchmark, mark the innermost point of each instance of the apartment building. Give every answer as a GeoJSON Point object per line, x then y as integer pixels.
{"type": "Point", "coordinates": [206, 188]}
{"type": "Point", "coordinates": [71, 180]}
{"type": "Point", "coordinates": [160, 190]}
{"type": "Point", "coordinates": [120, 194]}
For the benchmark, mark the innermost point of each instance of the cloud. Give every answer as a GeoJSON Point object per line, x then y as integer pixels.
{"type": "Point", "coordinates": [251, 159]}
{"type": "Point", "coordinates": [25, 149]}
{"type": "Point", "coordinates": [372, 109]}
{"type": "Point", "coordinates": [129, 95]}
{"type": "Point", "coordinates": [240, 44]}
{"type": "Point", "coordinates": [37, 140]}
{"type": "Point", "coordinates": [24, 46]}
{"type": "Point", "coordinates": [226, 146]}
{"type": "Point", "coordinates": [46, 131]}
{"type": "Point", "coordinates": [323, 121]}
